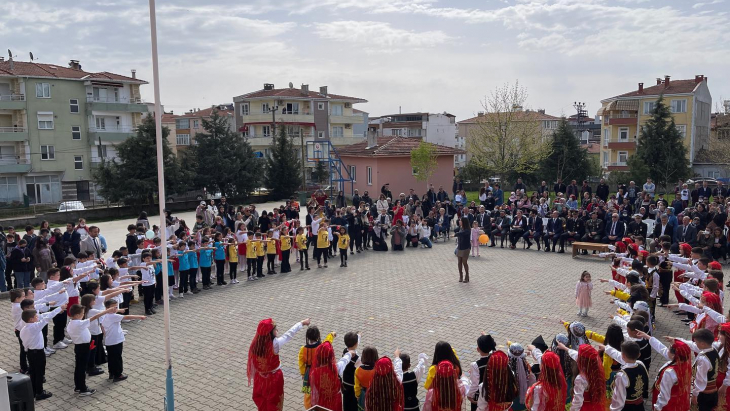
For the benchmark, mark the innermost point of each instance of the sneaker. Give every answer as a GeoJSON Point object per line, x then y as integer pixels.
{"type": "Point", "coordinates": [44, 395]}
{"type": "Point", "coordinates": [181, 295]}
{"type": "Point", "coordinates": [87, 392]}
{"type": "Point", "coordinates": [172, 297]}
{"type": "Point", "coordinates": [251, 278]}
{"type": "Point", "coordinates": [51, 350]}
{"type": "Point", "coordinates": [47, 352]}
{"type": "Point", "coordinates": [125, 332]}
{"type": "Point", "coordinates": [195, 291]}
{"type": "Point", "coordinates": [68, 341]}
{"type": "Point", "coordinates": [120, 378]}
{"type": "Point", "coordinates": [60, 345]}
{"type": "Point", "coordinates": [148, 312]}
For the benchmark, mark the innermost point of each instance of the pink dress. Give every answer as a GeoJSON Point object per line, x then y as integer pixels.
{"type": "Point", "coordinates": [475, 237]}
{"type": "Point", "coordinates": [583, 294]}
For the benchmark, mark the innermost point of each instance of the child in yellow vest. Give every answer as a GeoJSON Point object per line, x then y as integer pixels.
{"type": "Point", "coordinates": [343, 241]}
{"type": "Point", "coordinates": [323, 244]}
{"type": "Point", "coordinates": [302, 246]}
{"type": "Point", "coordinates": [270, 253]}
{"type": "Point", "coordinates": [233, 261]}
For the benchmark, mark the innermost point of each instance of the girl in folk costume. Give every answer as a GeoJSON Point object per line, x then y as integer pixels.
{"type": "Point", "coordinates": [589, 391]}
{"type": "Point", "coordinates": [263, 365]}
{"type": "Point", "coordinates": [523, 375]}
{"type": "Point", "coordinates": [674, 379]}
{"type": "Point", "coordinates": [550, 391]}
{"type": "Point", "coordinates": [324, 379]}
{"type": "Point", "coordinates": [447, 390]}
{"type": "Point", "coordinates": [685, 251]}
{"type": "Point", "coordinates": [385, 392]}
{"type": "Point", "coordinates": [576, 334]}
{"type": "Point", "coordinates": [306, 359]}
{"type": "Point", "coordinates": [364, 375]}
{"type": "Point", "coordinates": [702, 320]}
{"type": "Point", "coordinates": [499, 387]}
{"type": "Point", "coordinates": [723, 377]}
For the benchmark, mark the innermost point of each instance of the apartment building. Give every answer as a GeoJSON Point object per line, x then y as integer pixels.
{"type": "Point", "coordinates": [317, 116]}
{"type": "Point", "coordinates": [623, 116]}
{"type": "Point", "coordinates": [56, 124]}
{"type": "Point", "coordinates": [189, 124]}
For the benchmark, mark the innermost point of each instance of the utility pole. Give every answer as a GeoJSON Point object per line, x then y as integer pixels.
{"type": "Point", "coordinates": [304, 160]}
{"type": "Point", "coordinates": [581, 115]}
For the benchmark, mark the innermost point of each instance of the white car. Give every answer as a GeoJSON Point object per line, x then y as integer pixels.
{"type": "Point", "coordinates": [71, 206]}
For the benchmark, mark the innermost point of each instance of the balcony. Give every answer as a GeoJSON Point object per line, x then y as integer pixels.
{"type": "Point", "coordinates": [617, 166]}
{"type": "Point", "coordinates": [265, 117]}
{"type": "Point", "coordinates": [14, 164]}
{"type": "Point", "coordinates": [622, 145]}
{"type": "Point", "coordinates": [347, 119]}
{"type": "Point", "coordinates": [112, 134]}
{"type": "Point", "coordinates": [8, 134]}
{"type": "Point", "coordinates": [124, 104]}
{"type": "Point", "coordinates": [12, 102]}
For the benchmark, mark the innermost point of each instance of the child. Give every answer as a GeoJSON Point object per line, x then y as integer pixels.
{"type": "Point", "coordinates": [78, 330]}
{"type": "Point", "coordinates": [385, 391]}
{"type": "Point", "coordinates": [263, 365]}
{"type": "Point", "coordinates": [260, 253]}
{"type": "Point", "coordinates": [306, 359]}
{"type": "Point", "coordinates": [220, 258]}
{"type": "Point", "coordinates": [631, 384]}
{"type": "Point", "coordinates": [583, 294]}
{"type": "Point", "coordinates": [97, 355]}
{"type": "Point", "coordinates": [323, 244]}
{"type": "Point", "coordinates": [349, 400]}
{"type": "Point", "coordinates": [184, 263]}
{"type": "Point", "coordinates": [270, 253]}
{"type": "Point", "coordinates": [233, 262]}
{"type": "Point", "coordinates": [589, 387]}
{"type": "Point", "coordinates": [447, 390]}
{"type": "Point", "coordinates": [522, 372]}
{"type": "Point", "coordinates": [551, 387]}
{"type": "Point", "coordinates": [498, 386]}
{"type": "Point", "coordinates": [364, 374]}
{"type": "Point", "coordinates": [324, 379]}
{"type": "Point", "coordinates": [32, 339]}
{"type": "Point", "coordinates": [192, 255]}
{"type": "Point", "coordinates": [285, 242]}
{"type": "Point", "coordinates": [653, 281]}
{"type": "Point", "coordinates": [114, 340]}
{"type": "Point", "coordinates": [148, 282]}
{"type": "Point", "coordinates": [703, 394]}
{"type": "Point", "coordinates": [475, 239]}
{"type": "Point", "coordinates": [674, 379]}
{"type": "Point", "coordinates": [251, 246]}
{"type": "Point", "coordinates": [485, 346]}
{"type": "Point", "coordinates": [206, 262]}
{"type": "Point", "coordinates": [343, 241]}
{"type": "Point", "coordinates": [242, 240]}
{"type": "Point", "coordinates": [302, 246]}
{"type": "Point", "coordinates": [411, 379]}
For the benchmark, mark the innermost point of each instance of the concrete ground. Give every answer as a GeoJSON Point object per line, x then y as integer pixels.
{"type": "Point", "coordinates": [407, 300]}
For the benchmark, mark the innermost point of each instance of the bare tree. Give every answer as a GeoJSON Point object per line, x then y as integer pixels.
{"type": "Point", "coordinates": [508, 139]}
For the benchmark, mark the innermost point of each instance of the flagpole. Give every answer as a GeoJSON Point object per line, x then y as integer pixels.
{"type": "Point", "coordinates": [169, 389]}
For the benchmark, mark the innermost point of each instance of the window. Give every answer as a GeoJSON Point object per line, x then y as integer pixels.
{"type": "Point", "coordinates": [266, 131]}
{"type": "Point", "coordinates": [320, 106]}
{"type": "Point", "coordinates": [370, 176]}
{"type": "Point", "coordinates": [336, 110]}
{"type": "Point", "coordinates": [395, 132]}
{"type": "Point", "coordinates": [414, 171]}
{"type": "Point", "coordinates": [196, 123]}
{"type": "Point", "coordinates": [338, 131]}
{"type": "Point", "coordinates": [9, 189]}
{"type": "Point", "coordinates": [265, 107]}
{"type": "Point", "coordinates": [414, 132]}
{"type": "Point", "coordinates": [45, 120]}
{"type": "Point", "coordinates": [78, 162]}
{"type": "Point", "coordinates": [105, 95]}
{"type": "Point", "coordinates": [605, 157]}
{"type": "Point", "coordinates": [267, 153]}
{"type": "Point", "coordinates": [291, 108]}
{"type": "Point", "coordinates": [43, 90]}
{"type": "Point", "coordinates": [623, 157]}
{"type": "Point", "coordinates": [48, 153]}
{"type": "Point", "coordinates": [75, 133]}
{"type": "Point", "coordinates": [74, 104]}
{"type": "Point", "coordinates": [649, 106]}
{"type": "Point", "coordinates": [182, 123]}
{"type": "Point", "coordinates": [183, 139]}
{"type": "Point", "coordinates": [245, 109]}
{"type": "Point", "coordinates": [100, 151]}
{"type": "Point", "coordinates": [682, 130]}
{"type": "Point", "coordinates": [623, 134]}
{"type": "Point", "coordinates": [100, 123]}
{"type": "Point", "coordinates": [320, 134]}
{"type": "Point", "coordinates": [678, 106]}
{"type": "Point", "coordinates": [550, 124]}
{"type": "Point", "coordinates": [713, 174]}
{"type": "Point", "coordinates": [353, 173]}
{"type": "Point", "coordinates": [82, 191]}
{"type": "Point", "coordinates": [606, 136]}
{"type": "Point", "coordinates": [293, 131]}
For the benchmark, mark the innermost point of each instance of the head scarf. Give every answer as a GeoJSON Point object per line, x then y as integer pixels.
{"type": "Point", "coordinates": [712, 300]}
{"type": "Point", "coordinates": [590, 366]}
{"type": "Point", "coordinates": [682, 364]}
{"type": "Point", "coordinates": [553, 386]}
{"type": "Point", "coordinates": [642, 306]}
{"type": "Point", "coordinates": [446, 392]}
{"type": "Point", "coordinates": [519, 367]}
{"type": "Point", "coordinates": [565, 360]}
{"type": "Point", "coordinates": [627, 240]}
{"type": "Point", "coordinates": [577, 335]}
{"type": "Point", "coordinates": [686, 249]}
{"type": "Point", "coordinates": [261, 356]}
{"type": "Point", "coordinates": [324, 379]}
{"type": "Point", "coordinates": [498, 385]}
{"type": "Point", "coordinates": [620, 247]}
{"type": "Point", "coordinates": [715, 265]}
{"type": "Point", "coordinates": [385, 392]}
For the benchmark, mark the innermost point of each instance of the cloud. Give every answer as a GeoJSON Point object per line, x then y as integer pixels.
{"type": "Point", "coordinates": [379, 36]}
{"type": "Point", "coordinates": [699, 5]}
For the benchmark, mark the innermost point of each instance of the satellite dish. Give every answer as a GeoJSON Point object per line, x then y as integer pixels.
{"type": "Point", "coordinates": [291, 85]}
{"type": "Point", "coordinates": [31, 56]}
{"type": "Point", "coordinates": [10, 54]}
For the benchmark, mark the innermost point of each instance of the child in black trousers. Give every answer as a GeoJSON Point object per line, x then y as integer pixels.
{"type": "Point", "coordinates": [32, 337]}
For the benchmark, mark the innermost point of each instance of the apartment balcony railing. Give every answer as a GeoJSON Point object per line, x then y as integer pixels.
{"type": "Point", "coordinates": [113, 99]}
{"type": "Point", "coordinates": [278, 112]}
{"type": "Point", "coordinates": [13, 130]}
{"type": "Point", "coordinates": [113, 129]}
{"type": "Point", "coordinates": [12, 97]}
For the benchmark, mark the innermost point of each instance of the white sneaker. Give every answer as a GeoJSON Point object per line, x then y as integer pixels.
{"type": "Point", "coordinates": [172, 297]}
{"type": "Point", "coordinates": [47, 352]}
{"type": "Point", "coordinates": [60, 345]}
{"type": "Point", "coordinates": [181, 295]}
{"type": "Point", "coordinates": [125, 332]}
{"type": "Point", "coordinates": [51, 350]}
{"type": "Point", "coordinates": [67, 341]}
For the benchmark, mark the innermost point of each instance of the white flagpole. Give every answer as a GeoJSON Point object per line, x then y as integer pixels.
{"type": "Point", "coordinates": [169, 391]}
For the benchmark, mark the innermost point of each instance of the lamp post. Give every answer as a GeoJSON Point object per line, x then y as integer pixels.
{"type": "Point", "coordinates": [169, 389]}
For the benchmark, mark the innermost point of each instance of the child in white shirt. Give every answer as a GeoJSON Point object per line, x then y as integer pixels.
{"type": "Point", "coordinates": [114, 341]}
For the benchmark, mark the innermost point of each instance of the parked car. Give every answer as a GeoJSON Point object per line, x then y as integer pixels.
{"type": "Point", "coordinates": [71, 206]}
{"type": "Point", "coordinates": [711, 182]}
{"type": "Point", "coordinates": [193, 195]}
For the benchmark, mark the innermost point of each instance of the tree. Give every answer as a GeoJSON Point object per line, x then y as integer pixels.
{"type": "Point", "coordinates": [223, 162]}
{"type": "Point", "coordinates": [132, 177]}
{"type": "Point", "coordinates": [661, 148]}
{"type": "Point", "coordinates": [424, 161]}
{"type": "Point", "coordinates": [282, 167]}
{"type": "Point", "coordinates": [508, 140]}
{"type": "Point", "coordinates": [319, 174]}
{"type": "Point", "coordinates": [567, 159]}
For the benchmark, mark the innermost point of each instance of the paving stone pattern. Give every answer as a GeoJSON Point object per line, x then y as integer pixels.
{"type": "Point", "coordinates": [407, 300]}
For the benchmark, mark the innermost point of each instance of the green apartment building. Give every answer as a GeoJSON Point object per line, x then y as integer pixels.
{"type": "Point", "coordinates": [56, 124]}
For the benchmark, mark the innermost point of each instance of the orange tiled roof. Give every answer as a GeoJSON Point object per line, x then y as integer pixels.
{"type": "Point", "coordinates": [32, 69]}
{"type": "Point", "coordinates": [206, 112]}
{"type": "Point", "coordinates": [674, 87]}
{"type": "Point", "coordinates": [518, 116]}
{"type": "Point", "coordinates": [297, 93]}
{"type": "Point", "coordinates": [392, 147]}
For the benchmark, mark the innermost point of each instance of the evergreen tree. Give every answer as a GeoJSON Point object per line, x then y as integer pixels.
{"type": "Point", "coordinates": [661, 148]}
{"type": "Point", "coordinates": [223, 162]}
{"type": "Point", "coordinates": [282, 167]}
{"type": "Point", "coordinates": [132, 177]}
{"type": "Point", "coordinates": [567, 159]}
{"type": "Point", "coordinates": [319, 174]}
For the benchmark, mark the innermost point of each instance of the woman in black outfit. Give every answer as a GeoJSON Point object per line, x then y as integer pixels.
{"type": "Point", "coordinates": [463, 239]}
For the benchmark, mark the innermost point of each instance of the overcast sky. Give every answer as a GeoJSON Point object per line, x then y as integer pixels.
{"type": "Point", "coordinates": [420, 55]}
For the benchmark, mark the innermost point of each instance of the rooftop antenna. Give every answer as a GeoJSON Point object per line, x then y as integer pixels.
{"type": "Point", "coordinates": [10, 55]}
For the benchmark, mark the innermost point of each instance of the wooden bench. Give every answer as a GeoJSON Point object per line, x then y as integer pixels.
{"type": "Point", "coordinates": [600, 247]}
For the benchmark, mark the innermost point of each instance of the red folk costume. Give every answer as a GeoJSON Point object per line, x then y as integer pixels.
{"type": "Point", "coordinates": [591, 368]}
{"type": "Point", "coordinates": [324, 379]}
{"type": "Point", "coordinates": [682, 368]}
{"type": "Point", "coordinates": [551, 386]}
{"type": "Point", "coordinates": [263, 368]}
{"type": "Point", "coordinates": [499, 387]}
{"type": "Point", "coordinates": [446, 392]}
{"type": "Point", "coordinates": [703, 320]}
{"type": "Point", "coordinates": [723, 400]}
{"type": "Point", "coordinates": [385, 392]}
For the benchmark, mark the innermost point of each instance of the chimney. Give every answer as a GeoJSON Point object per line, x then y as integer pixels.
{"type": "Point", "coordinates": [305, 89]}
{"type": "Point", "coordinates": [74, 64]}
{"type": "Point", "coordinates": [541, 111]}
{"type": "Point", "coordinates": [134, 73]}
{"type": "Point", "coordinates": [323, 90]}
{"type": "Point", "coordinates": [658, 81]}
{"type": "Point", "coordinates": [2, 58]}
{"type": "Point", "coordinates": [666, 81]}
{"type": "Point", "coordinates": [480, 114]}
{"type": "Point", "coordinates": [268, 86]}
{"type": "Point", "coordinates": [372, 139]}
{"type": "Point", "coordinates": [641, 88]}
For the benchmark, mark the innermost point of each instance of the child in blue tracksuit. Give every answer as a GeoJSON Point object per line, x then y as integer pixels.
{"type": "Point", "coordinates": [220, 258]}
{"type": "Point", "coordinates": [192, 255]}
{"type": "Point", "coordinates": [184, 267]}
{"type": "Point", "coordinates": [206, 262]}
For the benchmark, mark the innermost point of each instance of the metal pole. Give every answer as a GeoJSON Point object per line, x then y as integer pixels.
{"type": "Point", "coordinates": [304, 175]}
{"type": "Point", "coordinates": [169, 391]}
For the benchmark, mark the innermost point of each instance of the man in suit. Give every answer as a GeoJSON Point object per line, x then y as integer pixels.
{"type": "Point", "coordinates": [500, 228]}
{"type": "Point", "coordinates": [559, 187]}
{"type": "Point", "coordinates": [518, 227]}
{"type": "Point", "coordinates": [705, 191]}
{"type": "Point", "coordinates": [614, 230]}
{"type": "Point", "coordinates": [483, 220]}
{"type": "Point", "coordinates": [685, 233]}
{"type": "Point", "coordinates": [534, 229]}
{"type": "Point", "coordinates": [637, 228]}
{"type": "Point", "coordinates": [554, 231]}
{"type": "Point", "coordinates": [573, 229]}
{"type": "Point", "coordinates": [664, 227]}
{"type": "Point", "coordinates": [91, 245]}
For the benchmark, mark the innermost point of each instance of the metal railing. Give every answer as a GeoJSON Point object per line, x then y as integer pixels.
{"type": "Point", "coordinates": [278, 112]}
{"type": "Point", "coordinates": [113, 129]}
{"type": "Point", "coordinates": [13, 129]}
{"type": "Point", "coordinates": [12, 159]}
{"type": "Point", "coordinates": [12, 97]}
{"type": "Point", "coordinates": [113, 99]}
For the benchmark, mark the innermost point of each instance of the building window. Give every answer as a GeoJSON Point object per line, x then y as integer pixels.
{"type": "Point", "coordinates": [414, 132]}
{"type": "Point", "coordinates": [105, 95]}
{"type": "Point", "coordinates": [182, 123]}
{"type": "Point", "coordinates": [352, 173]}
{"type": "Point", "coordinates": [266, 131]}
{"type": "Point", "coordinates": [336, 110]}
{"type": "Point", "coordinates": [245, 109]}
{"type": "Point", "coordinates": [9, 191]}
{"type": "Point", "coordinates": [605, 157]}
{"type": "Point", "coordinates": [623, 134]}
{"type": "Point", "coordinates": [414, 171]}
{"type": "Point", "coordinates": [183, 139]}
{"type": "Point", "coordinates": [682, 130]}
{"type": "Point", "coordinates": [100, 151]}
{"type": "Point", "coordinates": [606, 136]}
{"type": "Point", "coordinates": [320, 106]}
{"type": "Point", "coordinates": [623, 158]}
{"type": "Point", "coordinates": [370, 176]}
{"type": "Point", "coordinates": [78, 162]}
{"type": "Point", "coordinates": [43, 90]}
{"type": "Point", "coordinates": [265, 107]}
{"type": "Point", "coordinates": [45, 121]}
{"type": "Point", "coordinates": [679, 106]}
{"type": "Point", "coordinates": [196, 123]}
{"type": "Point", "coordinates": [395, 132]}
{"type": "Point", "coordinates": [291, 108]}
{"type": "Point", "coordinates": [649, 106]}
{"type": "Point", "coordinates": [338, 131]}
{"type": "Point", "coordinates": [74, 104]}
{"type": "Point", "coordinates": [75, 133]}
{"type": "Point", "coordinates": [320, 134]}
{"type": "Point", "coordinates": [267, 153]}
{"type": "Point", "coordinates": [550, 124]}
{"type": "Point", "coordinates": [713, 174]}
{"type": "Point", "coordinates": [48, 153]}
{"type": "Point", "coordinates": [82, 191]}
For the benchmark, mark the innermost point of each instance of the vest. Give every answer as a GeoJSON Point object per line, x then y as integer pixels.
{"type": "Point", "coordinates": [650, 279]}
{"type": "Point", "coordinates": [308, 354]}
{"type": "Point", "coordinates": [410, 390]}
{"type": "Point", "coordinates": [714, 359]}
{"type": "Point", "coordinates": [482, 365]}
{"type": "Point", "coordinates": [638, 387]}
{"type": "Point", "coordinates": [645, 350]}
{"type": "Point", "coordinates": [348, 377]}
{"type": "Point", "coordinates": [674, 403]}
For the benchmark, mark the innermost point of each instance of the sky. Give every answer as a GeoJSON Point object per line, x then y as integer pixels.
{"type": "Point", "coordinates": [409, 55]}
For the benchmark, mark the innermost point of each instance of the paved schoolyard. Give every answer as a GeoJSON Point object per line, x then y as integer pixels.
{"type": "Point", "coordinates": [407, 300]}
